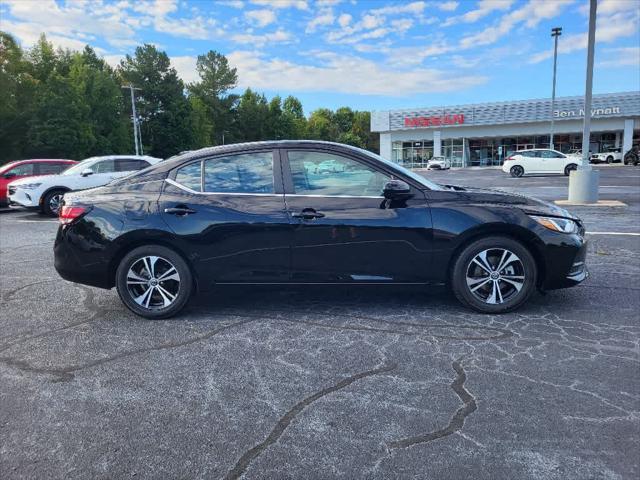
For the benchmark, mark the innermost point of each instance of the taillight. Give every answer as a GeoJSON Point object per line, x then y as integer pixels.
{"type": "Point", "coordinates": [508, 159]}
{"type": "Point", "coordinates": [70, 213]}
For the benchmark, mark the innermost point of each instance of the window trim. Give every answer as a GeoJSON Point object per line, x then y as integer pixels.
{"type": "Point", "coordinates": [288, 176]}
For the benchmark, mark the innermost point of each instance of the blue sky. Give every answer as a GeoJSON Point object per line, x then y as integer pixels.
{"type": "Point", "coordinates": [367, 54]}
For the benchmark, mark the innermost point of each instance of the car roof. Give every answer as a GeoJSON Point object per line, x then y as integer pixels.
{"type": "Point", "coordinates": [172, 162]}
{"type": "Point", "coordinates": [152, 160]}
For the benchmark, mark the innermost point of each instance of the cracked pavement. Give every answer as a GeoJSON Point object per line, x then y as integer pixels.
{"type": "Point", "coordinates": [325, 383]}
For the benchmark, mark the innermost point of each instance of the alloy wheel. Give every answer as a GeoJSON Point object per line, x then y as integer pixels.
{"type": "Point", "coordinates": [55, 202]}
{"type": "Point", "coordinates": [495, 275]}
{"type": "Point", "coordinates": [153, 282]}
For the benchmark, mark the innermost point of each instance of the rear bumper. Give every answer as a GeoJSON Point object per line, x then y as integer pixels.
{"type": "Point", "coordinates": [75, 266]}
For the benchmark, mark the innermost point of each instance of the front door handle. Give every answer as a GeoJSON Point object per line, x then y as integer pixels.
{"type": "Point", "coordinates": [180, 210]}
{"type": "Point", "coordinates": [308, 214]}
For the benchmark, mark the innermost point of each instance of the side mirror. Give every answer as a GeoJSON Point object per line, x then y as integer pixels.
{"type": "Point", "coordinates": [394, 189]}
{"type": "Point", "coordinates": [86, 172]}
{"type": "Point", "coordinates": [9, 175]}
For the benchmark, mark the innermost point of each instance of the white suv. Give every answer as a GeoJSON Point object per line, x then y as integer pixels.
{"type": "Point", "coordinates": [46, 192]}
{"type": "Point", "coordinates": [539, 160]}
{"type": "Point", "coordinates": [610, 155]}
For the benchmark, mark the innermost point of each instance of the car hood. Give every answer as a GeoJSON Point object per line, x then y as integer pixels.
{"type": "Point", "coordinates": [34, 179]}
{"type": "Point", "coordinates": [532, 205]}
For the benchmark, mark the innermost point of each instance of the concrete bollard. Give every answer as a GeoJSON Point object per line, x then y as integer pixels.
{"type": "Point", "coordinates": [583, 186]}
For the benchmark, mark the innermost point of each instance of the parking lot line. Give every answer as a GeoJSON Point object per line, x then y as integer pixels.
{"type": "Point", "coordinates": [632, 234]}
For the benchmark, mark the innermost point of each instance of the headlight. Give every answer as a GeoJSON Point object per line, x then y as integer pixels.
{"type": "Point", "coordinates": [563, 225]}
{"type": "Point", "coordinates": [29, 186]}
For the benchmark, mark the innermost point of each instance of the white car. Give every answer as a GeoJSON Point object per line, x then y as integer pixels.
{"type": "Point", "coordinates": [439, 163]}
{"type": "Point", "coordinates": [539, 160]}
{"type": "Point", "coordinates": [610, 155]}
{"type": "Point", "coordinates": [46, 192]}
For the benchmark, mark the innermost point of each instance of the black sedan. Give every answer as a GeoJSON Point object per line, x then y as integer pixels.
{"type": "Point", "coordinates": [267, 213]}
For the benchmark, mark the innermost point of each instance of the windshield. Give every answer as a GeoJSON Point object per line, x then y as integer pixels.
{"type": "Point", "coordinates": [404, 171]}
{"type": "Point", "coordinates": [79, 167]}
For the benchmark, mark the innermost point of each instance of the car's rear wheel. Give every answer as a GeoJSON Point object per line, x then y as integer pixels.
{"type": "Point", "coordinates": [569, 168]}
{"type": "Point", "coordinates": [52, 202]}
{"type": "Point", "coordinates": [516, 171]}
{"type": "Point", "coordinates": [154, 281]}
{"type": "Point", "coordinates": [494, 275]}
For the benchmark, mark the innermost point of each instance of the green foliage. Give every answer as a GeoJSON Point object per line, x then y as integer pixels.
{"type": "Point", "coordinates": [61, 103]}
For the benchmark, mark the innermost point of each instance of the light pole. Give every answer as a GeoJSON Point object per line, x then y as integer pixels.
{"type": "Point", "coordinates": [555, 33]}
{"type": "Point", "coordinates": [583, 183]}
{"type": "Point", "coordinates": [137, 136]}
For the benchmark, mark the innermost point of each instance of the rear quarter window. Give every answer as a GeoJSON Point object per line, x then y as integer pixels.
{"type": "Point", "coordinates": [190, 176]}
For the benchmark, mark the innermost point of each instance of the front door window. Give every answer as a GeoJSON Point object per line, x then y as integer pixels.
{"type": "Point", "coordinates": [325, 174]}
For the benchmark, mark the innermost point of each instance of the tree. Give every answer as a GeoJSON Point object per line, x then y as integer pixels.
{"type": "Point", "coordinates": [321, 125]}
{"type": "Point", "coordinates": [216, 79]}
{"type": "Point", "coordinates": [251, 117]}
{"type": "Point", "coordinates": [162, 105]}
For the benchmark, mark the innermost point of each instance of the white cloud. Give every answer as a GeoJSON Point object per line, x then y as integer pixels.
{"type": "Point", "coordinates": [262, 18]}
{"type": "Point", "coordinates": [485, 7]}
{"type": "Point", "coordinates": [413, 7]}
{"type": "Point", "coordinates": [66, 24]}
{"type": "Point", "coordinates": [344, 19]}
{"type": "Point", "coordinates": [609, 28]}
{"type": "Point", "coordinates": [279, 36]}
{"type": "Point", "coordinates": [401, 25]}
{"type": "Point", "coordinates": [530, 15]}
{"type": "Point", "coordinates": [186, 67]}
{"type": "Point", "coordinates": [231, 3]}
{"type": "Point", "coordinates": [621, 57]}
{"type": "Point", "coordinates": [447, 6]}
{"type": "Point", "coordinates": [299, 4]}
{"type": "Point", "coordinates": [365, 77]}
{"type": "Point", "coordinates": [324, 17]}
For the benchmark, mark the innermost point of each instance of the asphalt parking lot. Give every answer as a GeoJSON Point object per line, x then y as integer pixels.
{"type": "Point", "coordinates": [316, 383]}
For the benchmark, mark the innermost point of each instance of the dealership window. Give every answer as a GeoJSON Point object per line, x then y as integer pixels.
{"type": "Point", "coordinates": [453, 149]}
{"type": "Point", "coordinates": [412, 154]}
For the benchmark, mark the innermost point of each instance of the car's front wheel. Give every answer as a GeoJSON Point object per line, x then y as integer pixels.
{"type": "Point", "coordinates": [609, 159]}
{"type": "Point", "coordinates": [569, 168]}
{"type": "Point", "coordinates": [154, 281]}
{"type": "Point", "coordinates": [494, 275]}
{"type": "Point", "coordinates": [516, 171]}
{"type": "Point", "coordinates": [52, 202]}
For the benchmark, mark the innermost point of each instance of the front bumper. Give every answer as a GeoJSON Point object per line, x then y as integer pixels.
{"type": "Point", "coordinates": [25, 198]}
{"type": "Point", "coordinates": [565, 263]}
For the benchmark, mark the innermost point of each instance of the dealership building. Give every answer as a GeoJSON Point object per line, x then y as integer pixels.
{"type": "Point", "coordinates": [484, 134]}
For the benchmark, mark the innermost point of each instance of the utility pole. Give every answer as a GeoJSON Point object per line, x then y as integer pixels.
{"type": "Point", "coordinates": [137, 137]}
{"type": "Point", "coordinates": [555, 33]}
{"type": "Point", "coordinates": [583, 183]}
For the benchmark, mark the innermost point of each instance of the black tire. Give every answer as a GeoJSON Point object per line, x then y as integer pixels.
{"type": "Point", "coordinates": [609, 159]}
{"type": "Point", "coordinates": [163, 289]}
{"type": "Point", "coordinates": [52, 202]}
{"type": "Point", "coordinates": [569, 168]}
{"type": "Point", "coordinates": [516, 171]}
{"type": "Point", "coordinates": [513, 298]}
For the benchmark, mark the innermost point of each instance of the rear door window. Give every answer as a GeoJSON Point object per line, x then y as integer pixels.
{"type": "Point", "coordinates": [22, 170]}
{"type": "Point", "coordinates": [243, 173]}
{"type": "Point", "coordinates": [130, 164]}
{"type": "Point", "coordinates": [51, 168]}
{"type": "Point", "coordinates": [190, 176]}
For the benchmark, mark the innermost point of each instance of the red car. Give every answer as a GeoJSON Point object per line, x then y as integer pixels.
{"type": "Point", "coordinates": [29, 168]}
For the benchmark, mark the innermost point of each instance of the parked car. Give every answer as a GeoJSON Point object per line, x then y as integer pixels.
{"type": "Point", "coordinates": [610, 155]}
{"type": "Point", "coordinates": [632, 157]}
{"type": "Point", "coordinates": [539, 160]}
{"type": "Point", "coordinates": [257, 213]}
{"type": "Point", "coordinates": [20, 169]}
{"type": "Point", "coordinates": [439, 163]}
{"type": "Point", "coordinates": [45, 193]}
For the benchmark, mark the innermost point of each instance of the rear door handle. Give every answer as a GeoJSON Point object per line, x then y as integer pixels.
{"type": "Point", "coordinates": [308, 214]}
{"type": "Point", "coordinates": [179, 210]}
